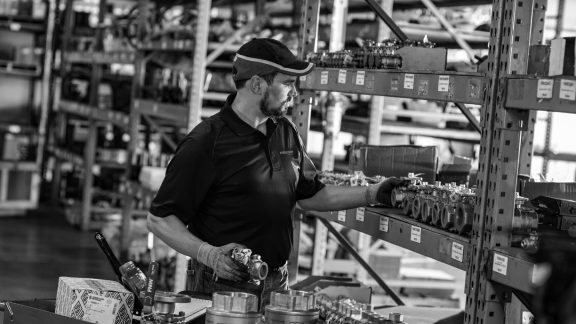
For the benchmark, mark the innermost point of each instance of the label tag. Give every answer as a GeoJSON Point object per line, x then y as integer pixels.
{"type": "Point", "coordinates": [324, 77]}
{"type": "Point", "coordinates": [568, 89]}
{"type": "Point", "coordinates": [500, 264]}
{"type": "Point", "coordinates": [360, 75]}
{"type": "Point", "coordinates": [303, 78]}
{"type": "Point", "coordinates": [545, 87]}
{"type": "Point", "coordinates": [100, 309]}
{"type": "Point", "coordinates": [384, 223]}
{"type": "Point", "coordinates": [443, 83]}
{"type": "Point", "coordinates": [457, 251]}
{"type": "Point", "coordinates": [342, 76]}
{"type": "Point", "coordinates": [408, 81]}
{"type": "Point", "coordinates": [341, 215]}
{"type": "Point", "coordinates": [360, 214]}
{"type": "Point", "coordinates": [416, 234]}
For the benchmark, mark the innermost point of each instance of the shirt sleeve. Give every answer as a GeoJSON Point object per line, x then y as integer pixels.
{"type": "Point", "coordinates": [188, 179]}
{"type": "Point", "coordinates": [309, 182]}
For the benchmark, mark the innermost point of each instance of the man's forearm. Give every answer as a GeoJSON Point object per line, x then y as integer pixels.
{"type": "Point", "coordinates": [174, 233]}
{"type": "Point", "coordinates": [336, 198]}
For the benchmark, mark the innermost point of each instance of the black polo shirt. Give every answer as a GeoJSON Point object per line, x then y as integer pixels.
{"type": "Point", "coordinates": [228, 182]}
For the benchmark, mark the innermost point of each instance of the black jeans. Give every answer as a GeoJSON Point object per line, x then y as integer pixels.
{"type": "Point", "coordinates": [201, 280]}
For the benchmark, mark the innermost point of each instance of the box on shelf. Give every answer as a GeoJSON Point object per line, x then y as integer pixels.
{"type": "Point", "coordinates": [395, 161]}
{"type": "Point", "coordinates": [539, 60]}
{"type": "Point", "coordinates": [94, 300]}
{"type": "Point", "coordinates": [562, 56]}
{"type": "Point", "coordinates": [423, 58]}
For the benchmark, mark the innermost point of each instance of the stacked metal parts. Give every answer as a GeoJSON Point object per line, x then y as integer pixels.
{"type": "Point", "coordinates": [451, 207]}
{"type": "Point", "coordinates": [349, 311]}
{"type": "Point", "coordinates": [233, 308]}
{"type": "Point", "coordinates": [164, 309]}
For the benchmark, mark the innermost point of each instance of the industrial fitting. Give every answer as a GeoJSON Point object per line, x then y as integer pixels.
{"type": "Point", "coordinates": [525, 219]}
{"type": "Point", "coordinates": [257, 268]}
{"type": "Point", "coordinates": [465, 212]}
{"type": "Point", "coordinates": [448, 216]}
{"type": "Point", "coordinates": [292, 306]}
{"type": "Point", "coordinates": [233, 308]}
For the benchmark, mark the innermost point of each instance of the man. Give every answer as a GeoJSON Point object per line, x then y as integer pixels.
{"type": "Point", "coordinates": [236, 177]}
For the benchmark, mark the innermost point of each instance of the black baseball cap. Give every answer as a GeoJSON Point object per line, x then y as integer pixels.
{"type": "Point", "coordinates": [265, 55]}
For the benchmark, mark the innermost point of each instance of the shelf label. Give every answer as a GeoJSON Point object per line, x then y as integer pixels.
{"type": "Point", "coordinates": [408, 81]}
{"type": "Point", "coordinates": [384, 223]}
{"type": "Point", "coordinates": [416, 234]}
{"type": "Point", "coordinates": [360, 214]}
{"type": "Point", "coordinates": [341, 215]}
{"type": "Point", "coordinates": [324, 77]}
{"type": "Point", "coordinates": [500, 264]}
{"type": "Point", "coordinates": [457, 251]}
{"type": "Point", "coordinates": [360, 75]}
{"type": "Point", "coordinates": [443, 83]}
{"type": "Point", "coordinates": [545, 87]}
{"type": "Point", "coordinates": [568, 89]}
{"type": "Point", "coordinates": [342, 76]}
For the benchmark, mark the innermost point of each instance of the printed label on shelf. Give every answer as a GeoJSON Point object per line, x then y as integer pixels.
{"type": "Point", "coordinates": [342, 76]}
{"type": "Point", "coordinates": [360, 75]}
{"type": "Point", "coordinates": [457, 251]}
{"type": "Point", "coordinates": [443, 83]}
{"type": "Point", "coordinates": [360, 214]}
{"type": "Point", "coordinates": [384, 223]}
{"type": "Point", "coordinates": [324, 77]}
{"type": "Point", "coordinates": [341, 215]}
{"type": "Point", "coordinates": [100, 309]}
{"type": "Point", "coordinates": [408, 81]}
{"type": "Point", "coordinates": [500, 264]}
{"type": "Point", "coordinates": [416, 234]}
{"type": "Point", "coordinates": [545, 87]}
{"type": "Point", "coordinates": [302, 78]}
{"type": "Point", "coordinates": [568, 89]}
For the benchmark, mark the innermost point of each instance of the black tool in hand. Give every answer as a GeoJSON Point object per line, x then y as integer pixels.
{"type": "Point", "coordinates": [150, 287]}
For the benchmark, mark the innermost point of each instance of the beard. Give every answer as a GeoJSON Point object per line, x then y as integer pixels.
{"type": "Point", "coordinates": [274, 112]}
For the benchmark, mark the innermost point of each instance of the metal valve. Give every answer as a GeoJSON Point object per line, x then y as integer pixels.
{"type": "Point", "coordinates": [257, 268]}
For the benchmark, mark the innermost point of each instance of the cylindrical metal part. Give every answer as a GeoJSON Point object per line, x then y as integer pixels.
{"type": "Point", "coordinates": [396, 197]}
{"type": "Point", "coordinates": [292, 306]}
{"type": "Point", "coordinates": [396, 317]}
{"type": "Point", "coordinates": [464, 218]}
{"type": "Point", "coordinates": [417, 207]}
{"type": "Point", "coordinates": [283, 316]}
{"type": "Point", "coordinates": [426, 214]}
{"type": "Point", "coordinates": [525, 220]}
{"type": "Point", "coordinates": [407, 205]}
{"type": "Point", "coordinates": [257, 268]}
{"type": "Point", "coordinates": [447, 218]}
{"type": "Point", "coordinates": [437, 213]}
{"type": "Point", "coordinates": [233, 308]}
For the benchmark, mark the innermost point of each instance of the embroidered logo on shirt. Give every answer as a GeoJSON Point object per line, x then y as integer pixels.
{"type": "Point", "coordinates": [286, 152]}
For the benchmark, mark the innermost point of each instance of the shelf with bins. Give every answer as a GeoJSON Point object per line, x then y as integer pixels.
{"type": "Point", "coordinates": [465, 88]}
{"type": "Point", "coordinates": [115, 117]}
{"type": "Point", "coordinates": [557, 94]}
{"type": "Point", "coordinates": [20, 69]}
{"type": "Point", "coordinates": [513, 268]}
{"type": "Point", "coordinates": [175, 113]}
{"type": "Point", "coordinates": [122, 57]}
{"type": "Point", "coordinates": [79, 161]}
{"type": "Point", "coordinates": [389, 225]}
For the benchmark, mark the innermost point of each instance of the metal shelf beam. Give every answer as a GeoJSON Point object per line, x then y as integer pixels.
{"type": "Point", "coordinates": [389, 225]}
{"type": "Point", "coordinates": [436, 86]}
{"type": "Point", "coordinates": [557, 94]}
{"type": "Point", "coordinates": [115, 117]}
{"type": "Point", "coordinates": [512, 268]}
{"type": "Point", "coordinates": [101, 57]}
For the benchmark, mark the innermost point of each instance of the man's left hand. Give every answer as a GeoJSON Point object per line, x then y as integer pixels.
{"type": "Point", "coordinates": [382, 192]}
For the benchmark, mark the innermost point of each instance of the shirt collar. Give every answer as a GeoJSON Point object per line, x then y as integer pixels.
{"type": "Point", "coordinates": [231, 119]}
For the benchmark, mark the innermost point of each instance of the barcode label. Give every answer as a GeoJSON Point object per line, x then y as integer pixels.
{"type": "Point", "coordinates": [384, 223]}
{"type": "Point", "coordinates": [545, 87]}
{"type": "Point", "coordinates": [324, 77]}
{"type": "Point", "coordinates": [408, 81]}
{"type": "Point", "coordinates": [341, 215]}
{"type": "Point", "coordinates": [342, 76]}
{"type": "Point", "coordinates": [500, 264]}
{"type": "Point", "coordinates": [416, 234]}
{"type": "Point", "coordinates": [360, 214]}
{"type": "Point", "coordinates": [360, 76]}
{"type": "Point", "coordinates": [457, 251]}
{"type": "Point", "coordinates": [443, 83]}
{"type": "Point", "coordinates": [567, 89]}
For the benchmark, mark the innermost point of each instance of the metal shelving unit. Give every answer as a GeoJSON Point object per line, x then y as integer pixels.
{"type": "Point", "coordinates": [507, 124]}
{"type": "Point", "coordinates": [390, 225]}
{"type": "Point", "coordinates": [93, 113]}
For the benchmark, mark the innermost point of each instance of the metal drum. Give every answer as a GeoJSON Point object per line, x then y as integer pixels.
{"type": "Point", "coordinates": [233, 308]}
{"type": "Point", "coordinates": [291, 307]}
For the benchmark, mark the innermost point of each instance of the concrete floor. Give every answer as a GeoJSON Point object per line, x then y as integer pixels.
{"type": "Point", "coordinates": [38, 248]}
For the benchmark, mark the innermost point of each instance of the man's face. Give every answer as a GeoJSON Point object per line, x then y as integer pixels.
{"type": "Point", "coordinates": [278, 96]}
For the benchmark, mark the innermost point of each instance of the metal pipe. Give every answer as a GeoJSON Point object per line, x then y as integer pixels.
{"type": "Point", "coordinates": [387, 19]}
{"type": "Point", "coordinates": [432, 7]}
{"type": "Point", "coordinates": [344, 242]}
{"type": "Point", "coordinates": [471, 118]}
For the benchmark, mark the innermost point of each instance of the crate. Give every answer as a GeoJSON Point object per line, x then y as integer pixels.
{"type": "Point", "coordinates": [19, 187]}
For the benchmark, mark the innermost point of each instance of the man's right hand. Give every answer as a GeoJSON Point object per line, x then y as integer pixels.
{"type": "Point", "coordinates": [218, 258]}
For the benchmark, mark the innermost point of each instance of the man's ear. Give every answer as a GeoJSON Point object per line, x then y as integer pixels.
{"type": "Point", "coordinates": [255, 85]}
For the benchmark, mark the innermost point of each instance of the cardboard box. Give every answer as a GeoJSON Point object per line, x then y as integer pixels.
{"type": "Point", "coordinates": [395, 161]}
{"type": "Point", "coordinates": [562, 56]}
{"type": "Point", "coordinates": [94, 300]}
{"type": "Point", "coordinates": [423, 58]}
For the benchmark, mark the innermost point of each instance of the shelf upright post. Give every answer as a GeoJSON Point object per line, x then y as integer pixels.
{"type": "Point", "coordinates": [307, 43]}
{"type": "Point", "coordinates": [133, 126]}
{"type": "Point", "coordinates": [516, 25]}
{"type": "Point", "coordinates": [196, 92]}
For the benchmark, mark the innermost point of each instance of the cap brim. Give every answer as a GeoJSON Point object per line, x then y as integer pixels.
{"type": "Point", "coordinates": [297, 68]}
